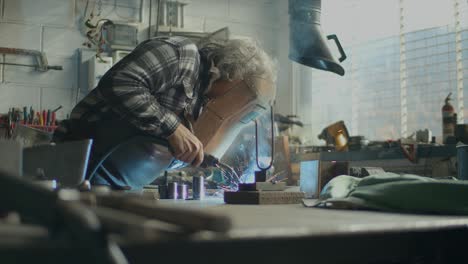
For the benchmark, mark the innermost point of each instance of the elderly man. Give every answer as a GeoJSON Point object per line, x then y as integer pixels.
{"type": "Point", "coordinates": [159, 90]}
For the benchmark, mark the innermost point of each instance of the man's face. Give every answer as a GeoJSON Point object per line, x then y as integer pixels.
{"type": "Point", "coordinates": [220, 87]}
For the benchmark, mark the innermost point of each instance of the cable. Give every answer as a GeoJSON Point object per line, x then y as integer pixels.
{"type": "Point", "coordinates": [114, 148]}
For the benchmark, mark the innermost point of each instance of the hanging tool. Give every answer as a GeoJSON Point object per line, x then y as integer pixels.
{"type": "Point", "coordinates": [52, 122]}
{"type": "Point", "coordinates": [44, 118]}
{"type": "Point", "coordinates": [31, 115]}
{"type": "Point", "coordinates": [25, 115]}
{"type": "Point", "coordinates": [42, 64]}
{"type": "Point", "coordinates": [48, 122]}
{"type": "Point", "coordinates": [39, 118]}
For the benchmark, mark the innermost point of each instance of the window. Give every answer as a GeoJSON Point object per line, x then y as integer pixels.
{"type": "Point", "coordinates": [401, 64]}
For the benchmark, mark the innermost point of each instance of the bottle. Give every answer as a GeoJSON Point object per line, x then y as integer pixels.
{"type": "Point", "coordinates": [449, 121]}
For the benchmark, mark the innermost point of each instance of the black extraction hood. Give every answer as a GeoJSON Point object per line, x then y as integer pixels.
{"type": "Point", "coordinates": [307, 43]}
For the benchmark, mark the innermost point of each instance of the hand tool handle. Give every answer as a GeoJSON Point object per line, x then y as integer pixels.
{"type": "Point", "coordinates": [44, 118]}
{"type": "Point", "coordinates": [52, 122]}
{"type": "Point", "coordinates": [340, 48]}
{"type": "Point", "coordinates": [31, 115]}
{"type": "Point", "coordinates": [209, 161]}
{"type": "Point", "coordinates": [48, 122]}
{"type": "Point", "coordinates": [25, 115]}
{"type": "Point", "coordinates": [39, 118]}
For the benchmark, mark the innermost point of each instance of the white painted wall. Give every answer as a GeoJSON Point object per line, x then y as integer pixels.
{"type": "Point", "coordinates": [53, 26]}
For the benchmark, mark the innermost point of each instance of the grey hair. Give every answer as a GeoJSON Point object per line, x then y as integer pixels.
{"type": "Point", "coordinates": [239, 58]}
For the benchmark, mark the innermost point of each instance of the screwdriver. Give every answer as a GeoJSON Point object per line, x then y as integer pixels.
{"type": "Point", "coordinates": [48, 122]}
{"type": "Point", "coordinates": [39, 118]}
{"type": "Point", "coordinates": [44, 118]}
{"type": "Point", "coordinates": [25, 115]}
{"type": "Point", "coordinates": [52, 122]}
{"type": "Point", "coordinates": [31, 115]}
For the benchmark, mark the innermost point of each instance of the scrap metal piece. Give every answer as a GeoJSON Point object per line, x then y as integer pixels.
{"type": "Point", "coordinates": [260, 197]}
{"type": "Point", "coordinates": [172, 190]}
{"type": "Point", "coordinates": [198, 188]}
{"type": "Point", "coordinates": [182, 191]}
{"type": "Point", "coordinates": [337, 135]}
{"type": "Point", "coordinates": [262, 186]}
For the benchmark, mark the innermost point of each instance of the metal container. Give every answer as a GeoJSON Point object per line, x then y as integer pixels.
{"type": "Point", "coordinates": [172, 190]}
{"type": "Point", "coordinates": [198, 188]}
{"type": "Point", "coordinates": [182, 191]}
{"type": "Point", "coordinates": [462, 161]}
{"type": "Point", "coordinates": [162, 189]}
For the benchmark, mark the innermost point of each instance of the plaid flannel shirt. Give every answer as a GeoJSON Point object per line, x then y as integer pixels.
{"type": "Point", "coordinates": [149, 88]}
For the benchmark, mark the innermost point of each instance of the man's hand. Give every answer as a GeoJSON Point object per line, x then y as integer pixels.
{"type": "Point", "coordinates": [185, 146]}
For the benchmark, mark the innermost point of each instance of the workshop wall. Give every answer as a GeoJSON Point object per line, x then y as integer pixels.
{"type": "Point", "coordinates": [54, 27]}
{"type": "Point", "coordinates": [265, 20]}
{"type": "Point", "coordinates": [51, 26]}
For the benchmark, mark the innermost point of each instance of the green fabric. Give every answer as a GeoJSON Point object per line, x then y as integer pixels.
{"type": "Point", "coordinates": [394, 192]}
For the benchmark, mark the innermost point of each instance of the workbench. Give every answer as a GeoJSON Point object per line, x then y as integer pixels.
{"type": "Point", "coordinates": [290, 233]}
{"type": "Point", "coordinates": [282, 234]}
{"type": "Point", "coordinates": [436, 161]}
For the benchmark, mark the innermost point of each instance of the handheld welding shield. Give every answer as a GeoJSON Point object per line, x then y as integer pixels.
{"type": "Point", "coordinates": [224, 116]}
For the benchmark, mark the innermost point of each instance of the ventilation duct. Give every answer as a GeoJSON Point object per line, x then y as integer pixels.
{"type": "Point", "coordinates": [308, 45]}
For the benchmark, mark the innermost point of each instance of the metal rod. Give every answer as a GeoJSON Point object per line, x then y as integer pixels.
{"type": "Point", "coordinates": [150, 17]}
{"type": "Point", "coordinates": [18, 64]}
{"type": "Point", "coordinates": [272, 142]}
{"type": "Point", "coordinates": [59, 68]}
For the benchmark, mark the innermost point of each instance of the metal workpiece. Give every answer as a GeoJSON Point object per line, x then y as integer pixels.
{"type": "Point", "coordinates": [182, 191]}
{"type": "Point", "coordinates": [172, 191]}
{"type": "Point", "coordinates": [163, 191]}
{"type": "Point", "coordinates": [198, 187]}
